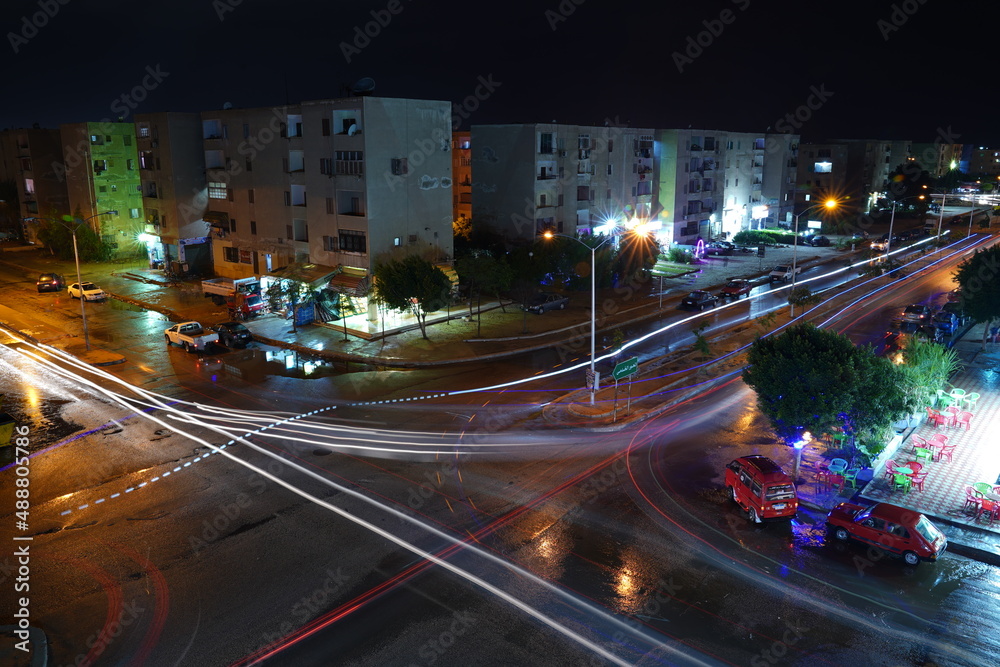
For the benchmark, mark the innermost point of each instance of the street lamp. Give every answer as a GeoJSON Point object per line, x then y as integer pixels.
{"type": "Point", "coordinates": [79, 280]}
{"type": "Point", "coordinates": [593, 301]}
{"type": "Point", "coordinates": [829, 204]}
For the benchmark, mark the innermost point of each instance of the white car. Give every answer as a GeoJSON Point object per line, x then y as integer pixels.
{"type": "Point", "coordinates": [90, 291]}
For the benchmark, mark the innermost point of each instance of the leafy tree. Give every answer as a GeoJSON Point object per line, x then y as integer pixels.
{"type": "Point", "coordinates": [57, 236]}
{"type": "Point", "coordinates": [636, 255]}
{"type": "Point", "coordinates": [482, 272]}
{"type": "Point", "coordinates": [700, 342]}
{"type": "Point", "coordinates": [412, 283]}
{"type": "Point", "coordinates": [926, 367]}
{"type": "Point", "coordinates": [907, 182]}
{"type": "Point", "coordinates": [979, 280]}
{"type": "Point", "coordinates": [810, 379]}
{"type": "Point", "coordinates": [527, 269]}
{"type": "Point", "coordinates": [766, 322]}
{"type": "Point", "coordinates": [801, 296]}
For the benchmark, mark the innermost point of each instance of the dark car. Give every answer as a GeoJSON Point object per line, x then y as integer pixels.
{"type": "Point", "coordinates": [956, 309]}
{"type": "Point", "coordinates": [233, 334]}
{"type": "Point", "coordinates": [946, 322]}
{"type": "Point", "coordinates": [50, 282]}
{"type": "Point", "coordinates": [900, 329]}
{"type": "Point", "coordinates": [547, 301]}
{"type": "Point", "coordinates": [699, 300]}
{"type": "Point", "coordinates": [819, 241]}
{"type": "Point", "coordinates": [719, 248]}
{"type": "Point", "coordinates": [899, 531]}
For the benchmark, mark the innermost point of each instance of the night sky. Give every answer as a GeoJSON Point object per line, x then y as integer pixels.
{"type": "Point", "coordinates": [908, 69]}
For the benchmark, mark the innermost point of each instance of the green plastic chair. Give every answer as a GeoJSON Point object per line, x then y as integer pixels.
{"type": "Point", "coordinates": [957, 394]}
{"type": "Point", "coordinates": [901, 482]}
{"type": "Point", "coordinates": [837, 466]}
{"type": "Point", "coordinates": [983, 487]}
{"type": "Point", "coordinates": [925, 454]}
{"type": "Point", "coordinates": [944, 400]}
{"type": "Point", "coordinates": [851, 477]}
{"type": "Point", "coordinates": [970, 401]}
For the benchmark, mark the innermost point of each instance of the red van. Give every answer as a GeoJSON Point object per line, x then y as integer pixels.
{"type": "Point", "coordinates": [761, 488]}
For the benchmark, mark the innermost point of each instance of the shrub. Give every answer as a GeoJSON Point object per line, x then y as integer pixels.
{"type": "Point", "coordinates": [680, 256]}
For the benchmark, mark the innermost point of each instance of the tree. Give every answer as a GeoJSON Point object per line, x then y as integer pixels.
{"type": "Point", "coordinates": [926, 367]}
{"type": "Point", "coordinates": [907, 182]}
{"type": "Point", "coordinates": [292, 290]}
{"type": "Point", "coordinates": [57, 236]}
{"type": "Point", "coordinates": [636, 255]}
{"type": "Point", "coordinates": [527, 269]}
{"type": "Point", "coordinates": [978, 279]}
{"type": "Point", "coordinates": [801, 296]}
{"type": "Point", "coordinates": [413, 284]}
{"type": "Point", "coordinates": [810, 379]}
{"type": "Point", "coordinates": [482, 272]}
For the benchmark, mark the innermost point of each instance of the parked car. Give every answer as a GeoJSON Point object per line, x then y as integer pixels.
{"type": "Point", "coordinates": [891, 528]}
{"type": "Point", "coordinates": [955, 308]}
{"type": "Point", "coordinates": [784, 273]}
{"type": "Point", "coordinates": [547, 301]}
{"type": "Point", "coordinates": [233, 334]}
{"type": "Point", "coordinates": [955, 296]}
{"type": "Point", "coordinates": [759, 486]}
{"type": "Point", "coordinates": [819, 241]}
{"type": "Point", "coordinates": [900, 329]}
{"type": "Point", "coordinates": [945, 321]}
{"type": "Point", "coordinates": [736, 288]}
{"type": "Point", "coordinates": [883, 242]}
{"type": "Point", "coordinates": [699, 300]}
{"type": "Point", "coordinates": [719, 248]}
{"type": "Point", "coordinates": [190, 336]}
{"type": "Point", "coordinates": [917, 312]}
{"type": "Point", "coordinates": [88, 291]}
{"type": "Point", "coordinates": [50, 282]}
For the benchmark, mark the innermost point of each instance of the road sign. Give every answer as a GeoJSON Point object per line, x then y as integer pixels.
{"type": "Point", "coordinates": [626, 368]}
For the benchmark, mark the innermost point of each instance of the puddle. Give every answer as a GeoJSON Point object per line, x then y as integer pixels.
{"type": "Point", "coordinates": [115, 304]}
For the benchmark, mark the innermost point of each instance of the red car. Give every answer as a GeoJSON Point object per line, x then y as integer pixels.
{"type": "Point", "coordinates": [894, 529]}
{"type": "Point", "coordinates": [761, 488]}
{"type": "Point", "coordinates": [736, 288]}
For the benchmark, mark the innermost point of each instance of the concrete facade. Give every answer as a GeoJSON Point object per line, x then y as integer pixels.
{"type": "Point", "coordinates": [461, 169]}
{"type": "Point", "coordinates": [31, 159]}
{"type": "Point", "coordinates": [102, 174]}
{"type": "Point", "coordinates": [174, 191]}
{"type": "Point", "coordinates": [329, 182]}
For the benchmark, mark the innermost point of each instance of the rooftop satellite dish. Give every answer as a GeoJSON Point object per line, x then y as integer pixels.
{"type": "Point", "coordinates": [363, 86]}
{"type": "Point", "coordinates": [227, 105]}
{"type": "Point", "coordinates": [352, 130]}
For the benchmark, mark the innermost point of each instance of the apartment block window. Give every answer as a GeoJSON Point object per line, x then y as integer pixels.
{"type": "Point", "coordinates": [133, 213]}
{"type": "Point", "coordinates": [300, 230]}
{"type": "Point", "coordinates": [102, 188]}
{"type": "Point", "coordinates": [330, 244]}
{"type": "Point", "coordinates": [151, 190]}
{"type": "Point", "coordinates": [350, 163]}
{"type": "Point", "coordinates": [611, 145]}
{"type": "Point", "coordinates": [143, 131]}
{"type": "Point", "coordinates": [217, 191]}
{"type": "Point", "coordinates": [253, 227]}
{"type": "Point", "coordinates": [29, 186]}
{"type": "Point", "coordinates": [350, 203]}
{"type": "Point", "coordinates": [130, 164]}
{"type": "Point", "coordinates": [583, 142]}
{"type": "Point", "coordinates": [230, 195]}
{"type": "Point", "coordinates": [225, 131]}
{"type": "Point", "coordinates": [283, 131]}
{"type": "Point", "coordinates": [609, 194]}
{"type": "Point", "coordinates": [545, 142]}
{"type": "Point", "coordinates": [127, 140]}
{"type": "Point", "coordinates": [643, 188]}
{"type": "Point", "coordinates": [400, 166]}
{"type": "Point", "coordinates": [288, 198]}
{"type": "Point", "coordinates": [559, 201]}
{"type": "Point", "coordinates": [249, 164]}
{"type": "Point", "coordinates": [331, 206]}
{"type": "Point", "coordinates": [250, 196]}
{"type": "Point", "coordinates": [232, 224]}
{"type": "Point", "coordinates": [542, 200]}
{"type": "Point", "coordinates": [97, 140]}
{"type": "Point", "coordinates": [352, 241]}
{"type": "Point", "coordinates": [230, 254]}
{"type": "Point", "coordinates": [146, 160]}
{"type": "Point", "coordinates": [326, 133]}
{"type": "Point", "coordinates": [326, 166]}
{"type": "Point", "coordinates": [609, 170]}
{"type": "Point", "coordinates": [583, 193]}
{"type": "Point", "coordinates": [100, 165]}
{"type": "Point", "coordinates": [26, 164]}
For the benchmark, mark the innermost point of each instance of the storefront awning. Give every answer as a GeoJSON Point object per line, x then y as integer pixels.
{"type": "Point", "coordinates": [350, 283]}
{"type": "Point", "coordinates": [315, 275]}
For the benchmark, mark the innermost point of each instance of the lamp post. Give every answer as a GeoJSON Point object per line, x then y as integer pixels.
{"type": "Point", "coordinates": [830, 204]}
{"type": "Point", "coordinates": [593, 302]}
{"type": "Point", "coordinates": [79, 280]}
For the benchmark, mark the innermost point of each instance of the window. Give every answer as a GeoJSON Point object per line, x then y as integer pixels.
{"type": "Point", "coordinates": [143, 131]}
{"type": "Point", "coordinates": [823, 167]}
{"type": "Point", "coordinates": [542, 200]}
{"type": "Point", "coordinates": [559, 201]}
{"type": "Point", "coordinates": [545, 142]}
{"type": "Point", "coordinates": [96, 140]}
{"type": "Point", "coordinates": [331, 206]}
{"type": "Point", "coordinates": [102, 188]}
{"type": "Point", "coordinates": [249, 164]}
{"type": "Point", "coordinates": [288, 198]}
{"type": "Point", "coordinates": [643, 188]}
{"type": "Point", "coordinates": [26, 164]}
{"type": "Point", "coordinates": [349, 163]}
{"type": "Point", "coordinates": [253, 227]}
{"type": "Point", "coordinates": [217, 191]}
{"type": "Point", "coordinates": [330, 244]}
{"type": "Point", "coordinates": [326, 166]}
{"type": "Point", "coordinates": [352, 241]}
{"type": "Point", "coordinates": [29, 186]}
{"type": "Point", "coordinates": [231, 254]}
{"type": "Point", "coordinates": [609, 170]}
{"type": "Point", "coordinates": [146, 160]}
{"type": "Point", "coordinates": [133, 213]}
{"type": "Point", "coordinates": [127, 140]}
{"type": "Point", "coordinates": [583, 142]}
{"type": "Point", "coordinates": [326, 133]}
{"type": "Point", "coordinates": [250, 196]}
{"type": "Point", "coordinates": [400, 166]}
{"type": "Point", "coordinates": [100, 165]}
{"type": "Point", "coordinates": [350, 203]}
{"type": "Point", "coordinates": [246, 257]}
{"type": "Point", "coordinates": [300, 230]}
{"type": "Point", "coordinates": [232, 224]}
{"type": "Point", "coordinates": [583, 193]}
{"type": "Point", "coordinates": [151, 190]}
{"type": "Point", "coordinates": [611, 145]}
{"type": "Point", "coordinates": [130, 164]}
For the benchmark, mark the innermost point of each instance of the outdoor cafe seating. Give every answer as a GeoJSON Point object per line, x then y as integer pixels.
{"type": "Point", "coordinates": [971, 400]}
{"type": "Point", "coordinates": [951, 414]}
{"type": "Point", "coordinates": [901, 482]}
{"type": "Point", "coordinates": [964, 419]}
{"type": "Point", "coordinates": [946, 450]}
{"type": "Point", "coordinates": [973, 499]}
{"type": "Point", "coordinates": [936, 418]}
{"type": "Point", "coordinates": [890, 469]}
{"type": "Point", "coordinates": [990, 509]}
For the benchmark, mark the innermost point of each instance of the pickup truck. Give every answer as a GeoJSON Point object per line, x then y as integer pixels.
{"type": "Point", "coordinates": [783, 273]}
{"type": "Point", "coordinates": [190, 336]}
{"type": "Point", "coordinates": [736, 288]}
{"type": "Point", "coordinates": [221, 288]}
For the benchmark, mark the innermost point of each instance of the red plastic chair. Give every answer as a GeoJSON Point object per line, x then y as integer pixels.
{"type": "Point", "coordinates": [917, 481]}
{"type": "Point", "coordinates": [972, 499]}
{"type": "Point", "coordinates": [946, 451]}
{"type": "Point", "coordinates": [890, 470]}
{"type": "Point", "coordinates": [917, 441]}
{"type": "Point", "coordinates": [935, 417]}
{"type": "Point", "coordinates": [939, 438]}
{"type": "Point", "coordinates": [988, 507]}
{"type": "Point", "coordinates": [964, 419]}
{"type": "Point", "coordinates": [952, 416]}
{"type": "Point", "coordinates": [915, 466]}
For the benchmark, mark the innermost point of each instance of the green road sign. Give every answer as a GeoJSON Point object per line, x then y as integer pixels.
{"type": "Point", "coordinates": [626, 368]}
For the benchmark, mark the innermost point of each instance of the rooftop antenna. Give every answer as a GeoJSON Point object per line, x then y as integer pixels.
{"type": "Point", "coordinates": [363, 87]}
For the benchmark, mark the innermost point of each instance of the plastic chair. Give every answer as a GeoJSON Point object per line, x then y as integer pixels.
{"type": "Point", "coordinates": [837, 466]}
{"type": "Point", "coordinates": [943, 399]}
{"type": "Point", "coordinates": [915, 466]}
{"type": "Point", "coordinates": [935, 417]}
{"type": "Point", "coordinates": [970, 400]}
{"type": "Point", "coordinates": [917, 481]}
{"type": "Point", "coordinates": [952, 414]}
{"type": "Point", "coordinates": [983, 487]}
{"type": "Point", "coordinates": [989, 508]}
{"type": "Point", "coordinates": [947, 450]}
{"type": "Point", "coordinates": [890, 469]}
{"type": "Point", "coordinates": [924, 454]}
{"type": "Point", "coordinates": [972, 499]}
{"type": "Point", "coordinates": [939, 439]}
{"type": "Point", "coordinates": [957, 394]}
{"type": "Point", "coordinates": [851, 477]}
{"type": "Point", "coordinates": [918, 442]}
{"type": "Point", "coordinates": [901, 483]}
{"type": "Point", "coordinates": [964, 419]}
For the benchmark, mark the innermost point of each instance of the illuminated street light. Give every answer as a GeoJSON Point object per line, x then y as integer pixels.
{"type": "Point", "coordinates": [830, 204]}
{"type": "Point", "coordinates": [593, 302]}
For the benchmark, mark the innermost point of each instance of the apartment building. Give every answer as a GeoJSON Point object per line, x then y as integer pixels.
{"type": "Point", "coordinates": [332, 183]}
{"type": "Point", "coordinates": [854, 168]}
{"type": "Point", "coordinates": [571, 179]}
{"type": "Point", "coordinates": [714, 182]}
{"type": "Point", "coordinates": [174, 192]}
{"type": "Point", "coordinates": [31, 159]}
{"type": "Point", "coordinates": [937, 158]}
{"type": "Point", "coordinates": [461, 169]}
{"type": "Point", "coordinates": [102, 174]}
{"type": "Point", "coordinates": [983, 161]}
